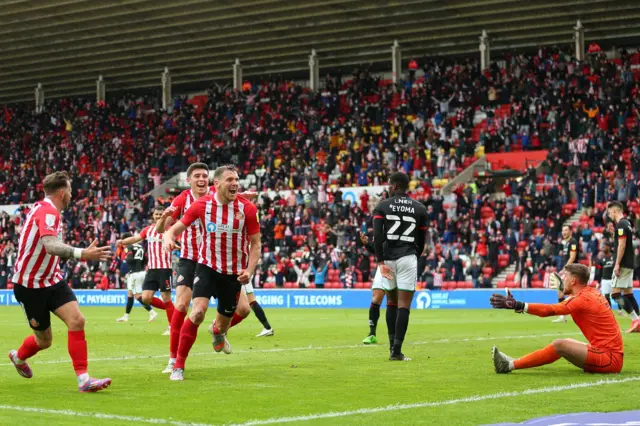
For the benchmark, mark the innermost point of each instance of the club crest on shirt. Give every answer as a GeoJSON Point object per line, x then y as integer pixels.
{"type": "Point", "coordinates": [50, 221]}
{"type": "Point", "coordinates": [239, 216]}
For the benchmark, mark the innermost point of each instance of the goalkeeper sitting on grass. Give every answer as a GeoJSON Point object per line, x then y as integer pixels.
{"type": "Point", "coordinates": [591, 313]}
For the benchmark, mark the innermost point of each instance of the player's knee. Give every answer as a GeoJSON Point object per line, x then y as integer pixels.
{"type": "Point", "coordinates": [197, 316]}
{"type": "Point", "coordinates": [181, 306]}
{"type": "Point", "coordinates": [560, 345]}
{"type": "Point", "coordinates": [76, 322]}
{"type": "Point", "coordinates": [377, 297]}
{"type": "Point", "coordinates": [146, 299]}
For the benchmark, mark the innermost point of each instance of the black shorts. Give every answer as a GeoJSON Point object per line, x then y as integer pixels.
{"type": "Point", "coordinates": [157, 280]}
{"type": "Point", "coordinates": [38, 303]}
{"type": "Point", "coordinates": [186, 273]}
{"type": "Point", "coordinates": [226, 288]}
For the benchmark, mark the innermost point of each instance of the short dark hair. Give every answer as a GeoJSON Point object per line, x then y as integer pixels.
{"type": "Point", "coordinates": [400, 180]}
{"type": "Point", "coordinates": [226, 168]}
{"type": "Point", "coordinates": [196, 166]}
{"type": "Point", "coordinates": [615, 205]}
{"type": "Point", "coordinates": [55, 181]}
{"type": "Point", "coordinates": [580, 271]}
{"type": "Point", "coordinates": [158, 209]}
{"type": "Point", "coordinates": [566, 226]}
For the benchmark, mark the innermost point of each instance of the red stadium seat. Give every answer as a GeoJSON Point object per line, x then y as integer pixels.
{"type": "Point", "coordinates": [636, 284]}
{"type": "Point", "coordinates": [537, 284]}
{"type": "Point", "coordinates": [367, 284]}
{"type": "Point", "coordinates": [510, 277]}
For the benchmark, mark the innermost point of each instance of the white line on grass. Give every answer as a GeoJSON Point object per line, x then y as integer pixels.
{"type": "Point", "coordinates": [331, 414]}
{"type": "Point", "coordinates": [313, 348]}
{"type": "Point", "coordinates": [396, 407]}
{"type": "Point", "coordinates": [103, 416]}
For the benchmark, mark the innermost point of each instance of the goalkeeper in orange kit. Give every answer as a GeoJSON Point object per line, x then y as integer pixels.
{"type": "Point", "coordinates": [591, 313]}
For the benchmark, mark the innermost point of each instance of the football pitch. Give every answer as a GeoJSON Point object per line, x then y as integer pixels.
{"type": "Point", "coordinates": [314, 371]}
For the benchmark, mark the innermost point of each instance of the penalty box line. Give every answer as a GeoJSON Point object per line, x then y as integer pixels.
{"type": "Point", "coordinates": [327, 415]}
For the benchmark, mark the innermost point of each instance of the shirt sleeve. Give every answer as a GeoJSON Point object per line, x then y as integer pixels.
{"type": "Point", "coordinates": [143, 233]}
{"type": "Point", "coordinates": [573, 246]}
{"type": "Point", "coordinates": [379, 236]}
{"type": "Point", "coordinates": [193, 213]}
{"type": "Point", "coordinates": [566, 307]}
{"type": "Point", "coordinates": [251, 220]}
{"type": "Point", "coordinates": [623, 230]}
{"type": "Point", "coordinates": [47, 220]}
{"type": "Point", "coordinates": [178, 203]}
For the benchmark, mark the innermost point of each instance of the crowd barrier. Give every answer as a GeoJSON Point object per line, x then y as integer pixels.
{"type": "Point", "coordinates": [314, 298]}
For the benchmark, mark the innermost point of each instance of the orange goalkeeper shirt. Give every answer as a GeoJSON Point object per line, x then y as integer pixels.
{"type": "Point", "coordinates": [591, 313]}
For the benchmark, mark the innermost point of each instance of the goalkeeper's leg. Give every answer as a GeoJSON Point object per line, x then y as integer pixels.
{"type": "Point", "coordinates": [572, 350]}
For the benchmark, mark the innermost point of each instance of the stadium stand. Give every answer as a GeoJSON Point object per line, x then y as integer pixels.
{"type": "Point", "coordinates": [285, 138]}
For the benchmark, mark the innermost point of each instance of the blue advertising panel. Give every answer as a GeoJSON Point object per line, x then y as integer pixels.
{"type": "Point", "coordinates": [311, 298]}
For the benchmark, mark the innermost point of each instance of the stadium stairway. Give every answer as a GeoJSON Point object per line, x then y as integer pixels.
{"type": "Point", "coordinates": [507, 274]}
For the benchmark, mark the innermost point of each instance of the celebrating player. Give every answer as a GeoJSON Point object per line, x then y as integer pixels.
{"type": "Point", "coordinates": [191, 238]}
{"type": "Point", "coordinates": [400, 225]}
{"type": "Point", "coordinates": [224, 264]}
{"type": "Point", "coordinates": [39, 287]}
{"type": "Point", "coordinates": [135, 278]}
{"type": "Point", "coordinates": [622, 280]}
{"type": "Point", "coordinates": [591, 313]}
{"type": "Point", "coordinates": [377, 294]}
{"type": "Point", "coordinates": [570, 256]}
{"type": "Point", "coordinates": [158, 277]}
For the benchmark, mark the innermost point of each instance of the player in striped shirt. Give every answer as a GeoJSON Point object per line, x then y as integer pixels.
{"type": "Point", "coordinates": [39, 287]}
{"type": "Point", "coordinates": [227, 259]}
{"type": "Point", "coordinates": [198, 179]}
{"type": "Point", "coordinates": [159, 273]}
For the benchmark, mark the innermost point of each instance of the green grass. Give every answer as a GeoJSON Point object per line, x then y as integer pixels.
{"type": "Point", "coordinates": [299, 371]}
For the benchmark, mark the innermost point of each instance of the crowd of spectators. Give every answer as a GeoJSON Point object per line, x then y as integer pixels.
{"type": "Point", "coordinates": [354, 132]}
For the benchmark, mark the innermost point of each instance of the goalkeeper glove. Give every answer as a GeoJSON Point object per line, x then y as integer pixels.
{"type": "Point", "coordinates": [498, 301]}
{"type": "Point", "coordinates": [555, 281]}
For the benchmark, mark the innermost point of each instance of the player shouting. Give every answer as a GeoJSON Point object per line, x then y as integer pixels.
{"type": "Point", "coordinates": [158, 276]}
{"type": "Point", "coordinates": [39, 287]}
{"type": "Point", "coordinates": [225, 261]}
{"type": "Point", "coordinates": [399, 225]}
{"type": "Point", "coordinates": [591, 313]}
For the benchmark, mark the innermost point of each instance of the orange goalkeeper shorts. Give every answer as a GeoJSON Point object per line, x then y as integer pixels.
{"type": "Point", "coordinates": [603, 362]}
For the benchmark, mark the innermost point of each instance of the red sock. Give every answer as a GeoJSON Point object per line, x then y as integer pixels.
{"type": "Point", "coordinates": [188, 334]}
{"type": "Point", "coordinates": [237, 319]}
{"type": "Point", "coordinates": [28, 348]}
{"type": "Point", "coordinates": [544, 356]}
{"type": "Point", "coordinates": [176, 324]}
{"type": "Point", "coordinates": [157, 303]}
{"type": "Point", "coordinates": [169, 308]}
{"type": "Point", "coordinates": [78, 351]}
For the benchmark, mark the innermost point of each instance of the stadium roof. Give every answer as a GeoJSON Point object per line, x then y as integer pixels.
{"type": "Point", "coordinates": [66, 44]}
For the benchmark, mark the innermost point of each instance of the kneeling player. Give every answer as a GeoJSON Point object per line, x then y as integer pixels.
{"type": "Point", "coordinates": [591, 313]}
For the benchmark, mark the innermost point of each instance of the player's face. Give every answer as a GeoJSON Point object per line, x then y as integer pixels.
{"type": "Point", "coordinates": [199, 182]}
{"type": "Point", "coordinates": [227, 185]}
{"type": "Point", "coordinates": [66, 196]}
{"type": "Point", "coordinates": [157, 214]}
{"type": "Point", "coordinates": [566, 233]}
{"type": "Point", "coordinates": [568, 281]}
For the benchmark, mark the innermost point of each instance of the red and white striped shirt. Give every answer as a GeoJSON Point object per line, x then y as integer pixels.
{"type": "Point", "coordinates": [226, 232]}
{"type": "Point", "coordinates": [191, 237]}
{"type": "Point", "coordinates": [34, 267]}
{"type": "Point", "coordinates": [158, 257]}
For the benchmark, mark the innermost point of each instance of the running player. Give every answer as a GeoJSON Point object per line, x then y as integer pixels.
{"type": "Point", "coordinates": [135, 278]}
{"type": "Point", "coordinates": [191, 238]}
{"type": "Point", "coordinates": [377, 294]}
{"type": "Point", "coordinates": [622, 280]}
{"type": "Point", "coordinates": [591, 313]}
{"type": "Point", "coordinates": [39, 287]}
{"type": "Point", "coordinates": [399, 225]}
{"type": "Point", "coordinates": [570, 256]}
{"type": "Point", "coordinates": [224, 264]}
{"type": "Point", "coordinates": [158, 276]}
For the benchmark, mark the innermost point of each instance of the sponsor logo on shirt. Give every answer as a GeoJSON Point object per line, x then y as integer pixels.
{"type": "Point", "coordinates": [620, 232]}
{"type": "Point", "coordinates": [215, 228]}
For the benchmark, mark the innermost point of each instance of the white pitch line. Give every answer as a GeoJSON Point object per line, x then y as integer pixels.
{"type": "Point", "coordinates": [312, 348]}
{"type": "Point", "coordinates": [103, 416]}
{"type": "Point", "coordinates": [396, 407]}
{"type": "Point", "coordinates": [331, 414]}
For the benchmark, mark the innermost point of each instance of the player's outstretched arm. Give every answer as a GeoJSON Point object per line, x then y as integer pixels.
{"type": "Point", "coordinates": [55, 247]}
{"type": "Point", "coordinates": [499, 301]}
{"type": "Point", "coordinates": [169, 237]}
{"type": "Point", "coordinates": [128, 241]}
{"type": "Point", "coordinates": [166, 220]}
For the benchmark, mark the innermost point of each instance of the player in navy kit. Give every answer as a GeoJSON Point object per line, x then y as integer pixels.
{"type": "Point", "coordinates": [400, 226]}
{"type": "Point", "coordinates": [135, 277]}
